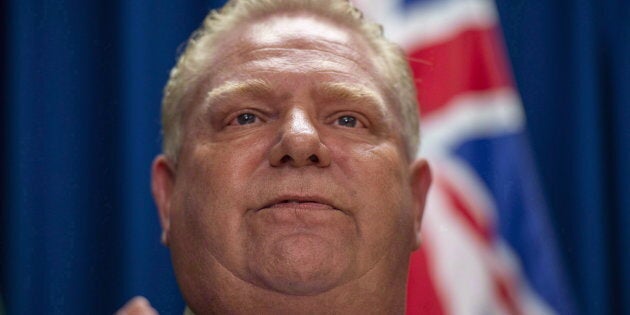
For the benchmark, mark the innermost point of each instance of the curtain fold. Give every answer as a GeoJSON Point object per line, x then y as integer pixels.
{"type": "Point", "coordinates": [571, 63]}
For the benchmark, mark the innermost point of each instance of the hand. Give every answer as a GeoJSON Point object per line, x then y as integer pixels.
{"type": "Point", "coordinates": [137, 306]}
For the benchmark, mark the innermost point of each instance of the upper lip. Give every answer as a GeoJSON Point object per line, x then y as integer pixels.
{"type": "Point", "coordinates": [298, 198]}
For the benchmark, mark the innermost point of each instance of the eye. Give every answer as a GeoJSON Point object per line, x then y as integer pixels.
{"type": "Point", "coordinates": [244, 119]}
{"type": "Point", "coordinates": [349, 121]}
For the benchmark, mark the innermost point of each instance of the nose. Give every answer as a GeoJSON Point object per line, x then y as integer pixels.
{"type": "Point", "coordinates": [299, 143]}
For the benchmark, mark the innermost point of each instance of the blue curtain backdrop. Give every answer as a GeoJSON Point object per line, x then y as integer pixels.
{"type": "Point", "coordinates": [81, 89]}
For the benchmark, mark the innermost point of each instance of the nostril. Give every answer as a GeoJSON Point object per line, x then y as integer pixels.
{"type": "Point", "coordinates": [313, 158]}
{"type": "Point", "coordinates": [285, 159]}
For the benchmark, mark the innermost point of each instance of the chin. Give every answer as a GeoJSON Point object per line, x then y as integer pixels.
{"type": "Point", "coordinates": [289, 285]}
{"type": "Point", "coordinates": [302, 265]}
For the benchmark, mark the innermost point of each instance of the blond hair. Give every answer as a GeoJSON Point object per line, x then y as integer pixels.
{"type": "Point", "coordinates": [389, 59]}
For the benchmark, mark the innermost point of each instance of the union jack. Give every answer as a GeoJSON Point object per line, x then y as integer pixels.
{"type": "Point", "coordinates": [487, 244]}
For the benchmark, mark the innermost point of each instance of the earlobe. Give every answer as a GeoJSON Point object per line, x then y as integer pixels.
{"type": "Point", "coordinates": [162, 184]}
{"type": "Point", "coordinates": [420, 182]}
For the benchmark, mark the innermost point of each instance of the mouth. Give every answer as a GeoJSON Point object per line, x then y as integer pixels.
{"type": "Point", "coordinates": [300, 203]}
{"type": "Point", "coordinates": [301, 212]}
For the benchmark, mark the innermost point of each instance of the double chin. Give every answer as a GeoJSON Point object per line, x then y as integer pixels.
{"type": "Point", "coordinates": [301, 263]}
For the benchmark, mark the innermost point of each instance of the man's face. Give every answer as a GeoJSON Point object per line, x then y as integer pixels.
{"type": "Point", "coordinates": [292, 175]}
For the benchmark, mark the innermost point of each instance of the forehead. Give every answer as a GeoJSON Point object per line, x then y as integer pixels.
{"type": "Point", "coordinates": [292, 42]}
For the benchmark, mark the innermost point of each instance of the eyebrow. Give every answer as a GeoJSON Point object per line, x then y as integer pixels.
{"type": "Point", "coordinates": [251, 88]}
{"type": "Point", "coordinates": [344, 92]}
{"type": "Point", "coordinates": [326, 92]}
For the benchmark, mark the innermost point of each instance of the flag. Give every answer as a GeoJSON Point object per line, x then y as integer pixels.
{"type": "Point", "coordinates": [487, 245]}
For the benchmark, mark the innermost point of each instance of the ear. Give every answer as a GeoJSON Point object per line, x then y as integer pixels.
{"type": "Point", "coordinates": [162, 184]}
{"type": "Point", "coordinates": [420, 182]}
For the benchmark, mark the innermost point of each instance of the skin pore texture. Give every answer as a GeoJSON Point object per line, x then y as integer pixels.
{"type": "Point", "coordinates": [292, 192]}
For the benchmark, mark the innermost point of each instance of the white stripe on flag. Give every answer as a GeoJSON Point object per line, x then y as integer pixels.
{"type": "Point", "coordinates": [469, 116]}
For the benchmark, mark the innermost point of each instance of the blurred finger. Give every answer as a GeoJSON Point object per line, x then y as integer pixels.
{"type": "Point", "coordinates": [137, 306]}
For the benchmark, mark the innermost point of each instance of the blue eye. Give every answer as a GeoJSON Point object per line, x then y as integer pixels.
{"type": "Point", "coordinates": [246, 118]}
{"type": "Point", "coordinates": [347, 121]}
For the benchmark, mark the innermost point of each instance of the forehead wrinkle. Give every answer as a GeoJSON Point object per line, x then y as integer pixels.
{"type": "Point", "coordinates": [316, 53]}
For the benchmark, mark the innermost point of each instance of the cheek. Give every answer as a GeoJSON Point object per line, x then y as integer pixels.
{"type": "Point", "coordinates": [377, 168]}
{"type": "Point", "coordinates": [379, 175]}
{"type": "Point", "coordinates": [214, 179]}
{"type": "Point", "coordinates": [225, 168]}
